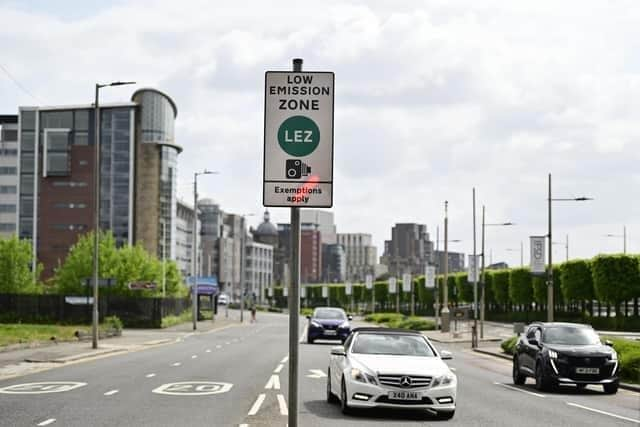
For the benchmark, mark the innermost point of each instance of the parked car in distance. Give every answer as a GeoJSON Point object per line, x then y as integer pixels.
{"type": "Point", "coordinates": [391, 368]}
{"type": "Point", "coordinates": [565, 353]}
{"type": "Point", "coordinates": [223, 299]}
{"type": "Point", "coordinates": [330, 323]}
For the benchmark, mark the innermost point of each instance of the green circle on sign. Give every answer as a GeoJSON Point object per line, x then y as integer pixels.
{"type": "Point", "coordinates": [299, 136]}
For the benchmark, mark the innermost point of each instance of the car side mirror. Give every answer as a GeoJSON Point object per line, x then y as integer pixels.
{"type": "Point", "coordinates": [308, 317]}
{"type": "Point", "coordinates": [446, 355]}
{"type": "Point", "coordinates": [350, 317]}
{"type": "Point", "coordinates": [609, 343]}
{"type": "Point", "coordinates": [338, 351]}
{"type": "Point", "coordinates": [534, 341]}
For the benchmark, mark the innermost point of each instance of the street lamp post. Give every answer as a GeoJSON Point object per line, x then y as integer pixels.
{"type": "Point", "coordinates": [521, 250]}
{"type": "Point", "coordinates": [242, 261]}
{"type": "Point", "coordinates": [623, 236]}
{"type": "Point", "coordinates": [96, 230]}
{"type": "Point", "coordinates": [194, 248]}
{"type": "Point", "coordinates": [482, 278]}
{"type": "Point", "coordinates": [445, 292]}
{"type": "Point", "coordinates": [550, 239]}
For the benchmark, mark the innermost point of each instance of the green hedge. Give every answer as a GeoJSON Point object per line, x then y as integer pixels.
{"type": "Point", "coordinates": [509, 346]}
{"type": "Point", "coordinates": [629, 358]}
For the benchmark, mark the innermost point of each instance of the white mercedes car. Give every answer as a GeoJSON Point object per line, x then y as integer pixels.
{"type": "Point", "coordinates": [391, 368]}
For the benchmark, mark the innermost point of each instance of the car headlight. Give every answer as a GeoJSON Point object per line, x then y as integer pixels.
{"type": "Point", "coordinates": [553, 354]}
{"type": "Point", "coordinates": [614, 355]}
{"type": "Point", "coordinates": [344, 325]}
{"type": "Point", "coordinates": [443, 380]}
{"type": "Point", "coordinates": [316, 324]}
{"type": "Point", "coordinates": [363, 377]}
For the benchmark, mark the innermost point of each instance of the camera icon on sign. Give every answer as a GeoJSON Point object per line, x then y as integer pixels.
{"type": "Point", "coordinates": [295, 169]}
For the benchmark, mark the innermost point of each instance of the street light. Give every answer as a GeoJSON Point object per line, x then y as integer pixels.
{"type": "Point", "coordinates": [242, 261]}
{"type": "Point", "coordinates": [550, 268]}
{"type": "Point", "coordinates": [521, 250]}
{"type": "Point", "coordinates": [482, 281]}
{"type": "Point", "coordinates": [194, 248]}
{"type": "Point", "coordinates": [623, 236]}
{"type": "Point", "coordinates": [566, 247]}
{"type": "Point", "coordinates": [96, 214]}
{"type": "Point", "coordinates": [437, 265]}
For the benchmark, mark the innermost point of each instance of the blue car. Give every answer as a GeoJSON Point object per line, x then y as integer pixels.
{"type": "Point", "coordinates": [328, 323]}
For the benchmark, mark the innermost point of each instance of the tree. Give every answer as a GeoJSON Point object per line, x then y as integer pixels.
{"type": "Point", "coordinates": [539, 283]}
{"type": "Point", "coordinates": [16, 276]}
{"type": "Point", "coordinates": [500, 286]}
{"type": "Point", "coordinates": [520, 289]}
{"type": "Point", "coordinates": [577, 281]}
{"type": "Point", "coordinates": [616, 278]}
{"type": "Point", "coordinates": [465, 289]}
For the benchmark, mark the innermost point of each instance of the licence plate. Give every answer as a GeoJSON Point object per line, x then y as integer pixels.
{"type": "Point", "coordinates": [595, 371]}
{"type": "Point", "coordinates": [330, 332]}
{"type": "Point", "coordinates": [404, 395]}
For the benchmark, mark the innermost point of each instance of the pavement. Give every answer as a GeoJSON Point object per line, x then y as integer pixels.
{"type": "Point", "coordinates": [237, 375]}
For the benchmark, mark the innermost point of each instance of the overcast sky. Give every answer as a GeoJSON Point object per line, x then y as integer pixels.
{"type": "Point", "coordinates": [431, 99]}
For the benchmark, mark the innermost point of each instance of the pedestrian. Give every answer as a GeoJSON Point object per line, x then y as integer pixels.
{"type": "Point", "coordinates": [253, 308]}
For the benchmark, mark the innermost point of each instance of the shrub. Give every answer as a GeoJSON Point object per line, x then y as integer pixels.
{"type": "Point", "coordinates": [415, 323]}
{"type": "Point", "coordinates": [628, 357]}
{"type": "Point", "coordinates": [113, 322]}
{"type": "Point", "coordinates": [509, 346]}
{"type": "Point", "coordinates": [383, 317]}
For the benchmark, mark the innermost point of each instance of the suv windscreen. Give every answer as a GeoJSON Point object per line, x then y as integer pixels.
{"type": "Point", "coordinates": [329, 314]}
{"type": "Point", "coordinates": [568, 335]}
{"type": "Point", "coordinates": [392, 344]}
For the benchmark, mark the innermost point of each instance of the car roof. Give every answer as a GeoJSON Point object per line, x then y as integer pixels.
{"type": "Point", "coordinates": [555, 324]}
{"type": "Point", "coordinates": [382, 331]}
{"type": "Point", "coordinates": [329, 308]}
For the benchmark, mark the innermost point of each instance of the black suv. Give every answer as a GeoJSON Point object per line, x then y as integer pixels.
{"type": "Point", "coordinates": [565, 353]}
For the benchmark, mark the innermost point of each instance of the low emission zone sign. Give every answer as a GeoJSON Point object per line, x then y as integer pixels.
{"type": "Point", "coordinates": [298, 139]}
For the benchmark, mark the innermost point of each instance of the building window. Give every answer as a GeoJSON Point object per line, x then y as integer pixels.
{"type": "Point", "coordinates": [7, 208]}
{"type": "Point", "coordinates": [56, 147]}
{"type": "Point", "coordinates": [69, 184]}
{"type": "Point", "coordinates": [9, 152]}
{"type": "Point", "coordinates": [70, 227]}
{"type": "Point", "coordinates": [4, 226]}
{"type": "Point", "coordinates": [8, 189]}
{"type": "Point", "coordinates": [8, 170]}
{"type": "Point", "coordinates": [70, 205]}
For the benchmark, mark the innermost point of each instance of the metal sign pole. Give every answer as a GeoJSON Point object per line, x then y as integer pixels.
{"type": "Point", "coordinates": [294, 303]}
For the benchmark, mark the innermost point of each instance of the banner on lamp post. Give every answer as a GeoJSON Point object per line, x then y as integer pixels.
{"type": "Point", "coordinates": [347, 288]}
{"type": "Point", "coordinates": [406, 282]}
{"type": "Point", "coordinates": [392, 285]}
{"type": "Point", "coordinates": [270, 292]}
{"type": "Point", "coordinates": [473, 273]}
{"type": "Point", "coordinates": [325, 292]}
{"type": "Point", "coordinates": [303, 292]}
{"type": "Point", "coordinates": [430, 277]}
{"type": "Point", "coordinates": [538, 261]}
{"type": "Point", "coordinates": [369, 281]}
{"type": "Point", "coordinates": [285, 291]}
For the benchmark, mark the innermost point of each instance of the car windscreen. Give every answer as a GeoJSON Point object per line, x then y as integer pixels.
{"type": "Point", "coordinates": [329, 314]}
{"type": "Point", "coordinates": [392, 344]}
{"type": "Point", "coordinates": [568, 335]}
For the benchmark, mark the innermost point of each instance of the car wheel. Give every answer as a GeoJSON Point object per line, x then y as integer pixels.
{"type": "Point", "coordinates": [331, 398]}
{"type": "Point", "coordinates": [445, 415]}
{"type": "Point", "coordinates": [611, 388]}
{"type": "Point", "coordinates": [343, 399]}
{"type": "Point", "coordinates": [542, 383]}
{"type": "Point", "coordinates": [518, 377]}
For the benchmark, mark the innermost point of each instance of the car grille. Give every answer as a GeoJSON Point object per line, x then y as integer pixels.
{"type": "Point", "coordinates": [424, 401]}
{"type": "Point", "coordinates": [331, 327]}
{"type": "Point", "coordinates": [395, 381]}
{"type": "Point", "coordinates": [567, 367]}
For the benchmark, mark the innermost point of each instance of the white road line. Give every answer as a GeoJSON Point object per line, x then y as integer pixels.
{"type": "Point", "coordinates": [195, 356]}
{"type": "Point", "coordinates": [453, 369]}
{"type": "Point", "coordinates": [208, 350]}
{"type": "Point", "coordinates": [603, 412]}
{"type": "Point", "coordinates": [257, 404]}
{"type": "Point", "coordinates": [218, 346]}
{"type": "Point", "coordinates": [283, 405]}
{"type": "Point", "coordinates": [177, 364]}
{"type": "Point", "coordinates": [285, 360]}
{"type": "Point", "coordinates": [520, 390]}
{"type": "Point", "coordinates": [110, 393]}
{"type": "Point", "coordinates": [151, 375]}
{"type": "Point", "coordinates": [243, 425]}
{"type": "Point", "coordinates": [47, 422]}
{"type": "Point", "coordinates": [278, 369]}
{"type": "Point", "coordinates": [273, 383]}
{"type": "Point", "coordinates": [227, 343]}
{"type": "Point", "coordinates": [303, 337]}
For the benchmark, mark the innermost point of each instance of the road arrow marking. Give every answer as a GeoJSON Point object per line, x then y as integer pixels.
{"type": "Point", "coordinates": [151, 375]}
{"type": "Point", "coordinates": [283, 405]}
{"type": "Point", "coordinates": [285, 359]}
{"type": "Point", "coordinates": [273, 383]}
{"type": "Point", "coordinates": [257, 404]}
{"type": "Point", "coordinates": [47, 422]}
{"type": "Point", "coordinates": [316, 373]}
{"type": "Point", "coordinates": [278, 369]}
{"type": "Point", "coordinates": [177, 364]}
{"type": "Point", "coordinates": [110, 393]}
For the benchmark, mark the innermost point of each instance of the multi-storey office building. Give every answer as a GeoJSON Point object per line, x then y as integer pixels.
{"type": "Point", "coordinates": [258, 269]}
{"type": "Point", "coordinates": [184, 240]}
{"type": "Point", "coordinates": [361, 255]}
{"type": "Point", "coordinates": [310, 253]}
{"type": "Point", "coordinates": [456, 261]}
{"type": "Point", "coordinates": [409, 250]}
{"type": "Point", "coordinates": [334, 263]}
{"type": "Point", "coordinates": [137, 175]}
{"type": "Point", "coordinates": [8, 175]}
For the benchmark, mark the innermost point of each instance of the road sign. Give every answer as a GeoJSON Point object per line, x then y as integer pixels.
{"type": "Point", "coordinates": [537, 254]}
{"type": "Point", "coordinates": [298, 139]}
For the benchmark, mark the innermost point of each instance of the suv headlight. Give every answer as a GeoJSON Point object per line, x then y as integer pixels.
{"type": "Point", "coordinates": [443, 380]}
{"type": "Point", "coordinates": [344, 325]}
{"type": "Point", "coordinates": [553, 354]}
{"type": "Point", "coordinates": [316, 324]}
{"type": "Point", "coordinates": [363, 377]}
{"type": "Point", "coordinates": [614, 355]}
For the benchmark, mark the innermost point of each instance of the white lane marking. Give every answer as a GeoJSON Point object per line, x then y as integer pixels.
{"type": "Point", "coordinates": [208, 350]}
{"type": "Point", "coordinates": [603, 412]}
{"type": "Point", "coordinates": [303, 337]}
{"type": "Point", "coordinates": [47, 422]}
{"type": "Point", "coordinates": [520, 390]}
{"type": "Point", "coordinates": [218, 346]}
{"type": "Point", "coordinates": [283, 405]}
{"type": "Point", "coordinates": [316, 373]}
{"type": "Point", "coordinates": [177, 364]}
{"type": "Point", "coordinates": [243, 425]}
{"type": "Point", "coordinates": [273, 383]}
{"type": "Point", "coordinates": [193, 388]}
{"type": "Point", "coordinates": [111, 393]}
{"type": "Point", "coordinates": [453, 369]}
{"type": "Point", "coordinates": [257, 404]}
{"type": "Point", "coordinates": [285, 359]}
{"type": "Point", "coordinates": [227, 343]}
{"type": "Point", "coordinates": [194, 356]}
{"type": "Point", "coordinates": [151, 375]}
{"type": "Point", "coordinates": [278, 369]}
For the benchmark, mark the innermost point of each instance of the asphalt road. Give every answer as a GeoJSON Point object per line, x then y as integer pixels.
{"type": "Point", "coordinates": [238, 376]}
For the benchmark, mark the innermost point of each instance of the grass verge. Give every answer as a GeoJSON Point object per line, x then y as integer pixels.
{"type": "Point", "coordinates": [397, 320]}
